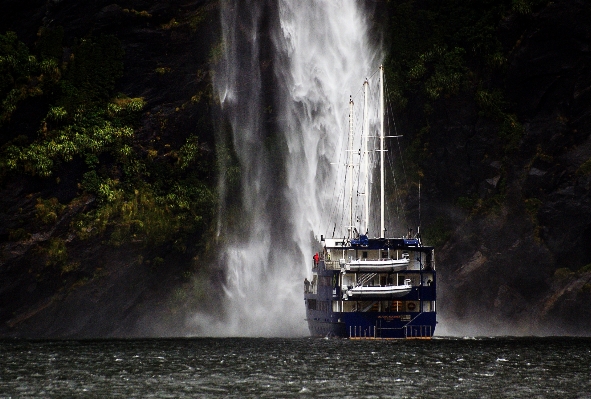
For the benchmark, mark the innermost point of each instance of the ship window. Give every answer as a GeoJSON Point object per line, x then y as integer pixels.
{"type": "Point", "coordinates": [384, 255]}
{"type": "Point", "coordinates": [312, 304]}
{"type": "Point", "coordinates": [364, 254]}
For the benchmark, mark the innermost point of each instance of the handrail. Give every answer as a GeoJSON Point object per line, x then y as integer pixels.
{"type": "Point", "coordinates": [365, 279]}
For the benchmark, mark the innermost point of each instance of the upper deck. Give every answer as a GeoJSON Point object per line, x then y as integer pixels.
{"type": "Point", "coordinates": [341, 253]}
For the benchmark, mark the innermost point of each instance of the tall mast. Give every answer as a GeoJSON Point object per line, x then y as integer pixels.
{"type": "Point", "coordinates": [382, 184]}
{"type": "Point", "coordinates": [350, 167]}
{"type": "Point", "coordinates": [366, 154]}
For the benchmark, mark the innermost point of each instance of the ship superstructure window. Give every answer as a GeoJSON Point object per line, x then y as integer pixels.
{"type": "Point", "coordinates": [364, 254]}
{"type": "Point", "coordinates": [348, 279]}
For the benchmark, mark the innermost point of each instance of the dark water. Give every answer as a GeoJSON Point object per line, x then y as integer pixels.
{"type": "Point", "coordinates": [272, 368]}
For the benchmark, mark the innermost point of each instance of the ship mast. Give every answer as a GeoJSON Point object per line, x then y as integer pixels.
{"type": "Point", "coordinates": [382, 196]}
{"type": "Point", "coordinates": [366, 154]}
{"type": "Point", "coordinates": [350, 167]}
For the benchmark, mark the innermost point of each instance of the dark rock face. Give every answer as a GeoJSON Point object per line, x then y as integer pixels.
{"type": "Point", "coordinates": [499, 270]}
{"type": "Point", "coordinates": [517, 268]}
{"type": "Point", "coordinates": [132, 290]}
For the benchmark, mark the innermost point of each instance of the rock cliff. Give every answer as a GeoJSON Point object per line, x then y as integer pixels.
{"type": "Point", "coordinates": [494, 101]}
{"type": "Point", "coordinates": [77, 263]}
{"type": "Point", "coordinates": [515, 200]}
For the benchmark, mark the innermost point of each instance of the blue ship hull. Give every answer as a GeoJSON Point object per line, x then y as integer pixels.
{"type": "Point", "coordinates": [378, 325]}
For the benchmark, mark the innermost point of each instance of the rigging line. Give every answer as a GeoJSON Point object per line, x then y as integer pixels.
{"type": "Point", "coordinates": [391, 110]}
{"type": "Point", "coordinates": [376, 70]}
{"type": "Point", "coordinates": [397, 197]}
{"type": "Point", "coordinates": [357, 93]}
{"type": "Point", "coordinates": [336, 219]}
{"type": "Point", "coordinates": [354, 174]}
{"type": "Point", "coordinates": [369, 79]}
{"type": "Point", "coordinates": [335, 204]}
{"type": "Point", "coordinates": [342, 213]}
{"type": "Point", "coordinates": [342, 203]}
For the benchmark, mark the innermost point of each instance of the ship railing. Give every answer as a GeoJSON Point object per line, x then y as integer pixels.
{"type": "Point", "coordinates": [365, 279]}
{"type": "Point", "coordinates": [332, 265]}
{"type": "Point", "coordinates": [410, 332]}
{"type": "Point", "coordinates": [313, 288]}
{"type": "Point", "coordinates": [429, 266]}
{"type": "Point", "coordinates": [362, 332]}
{"type": "Point", "coordinates": [418, 331]}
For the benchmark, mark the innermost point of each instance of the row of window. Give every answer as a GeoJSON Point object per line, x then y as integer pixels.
{"type": "Point", "coordinates": [322, 306]}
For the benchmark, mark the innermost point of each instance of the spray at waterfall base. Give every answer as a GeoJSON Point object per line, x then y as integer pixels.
{"type": "Point", "coordinates": [371, 288]}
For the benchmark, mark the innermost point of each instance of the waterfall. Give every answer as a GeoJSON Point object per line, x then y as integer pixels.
{"type": "Point", "coordinates": [284, 82]}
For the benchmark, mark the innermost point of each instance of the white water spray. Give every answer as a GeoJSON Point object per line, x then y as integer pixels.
{"type": "Point", "coordinates": [320, 52]}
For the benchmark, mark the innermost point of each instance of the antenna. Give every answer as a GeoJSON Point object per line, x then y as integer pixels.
{"type": "Point", "coordinates": [419, 227]}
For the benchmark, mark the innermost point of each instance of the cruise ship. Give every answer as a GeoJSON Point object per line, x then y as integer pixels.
{"type": "Point", "coordinates": [371, 288]}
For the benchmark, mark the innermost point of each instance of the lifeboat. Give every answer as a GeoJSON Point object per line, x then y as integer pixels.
{"type": "Point", "coordinates": [377, 265]}
{"type": "Point", "coordinates": [388, 291]}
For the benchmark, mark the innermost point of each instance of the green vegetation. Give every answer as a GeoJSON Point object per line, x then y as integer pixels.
{"type": "Point", "coordinates": [494, 106]}
{"type": "Point", "coordinates": [566, 273]}
{"type": "Point", "coordinates": [563, 274]}
{"type": "Point", "coordinates": [148, 195]}
{"type": "Point", "coordinates": [162, 70]}
{"type": "Point", "coordinates": [437, 233]}
{"type": "Point", "coordinates": [439, 51]}
{"type": "Point", "coordinates": [468, 203]}
{"type": "Point", "coordinates": [56, 252]}
{"type": "Point", "coordinates": [21, 74]}
{"type": "Point", "coordinates": [438, 47]}
{"type": "Point", "coordinates": [82, 121]}
{"type": "Point", "coordinates": [585, 168]}
{"type": "Point", "coordinates": [19, 234]}
{"type": "Point", "coordinates": [144, 14]}
{"type": "Point", "coordinates": [48, 210]}
{"type": "Point", "coordinates": [532, 206]}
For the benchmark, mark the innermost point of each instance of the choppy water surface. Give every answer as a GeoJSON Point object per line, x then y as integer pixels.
{"type": "Point", "coordinates": [491, 367]}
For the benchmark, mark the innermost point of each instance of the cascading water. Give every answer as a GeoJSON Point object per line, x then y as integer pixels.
{"type": "Point", "coordinates": [284, 83]}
